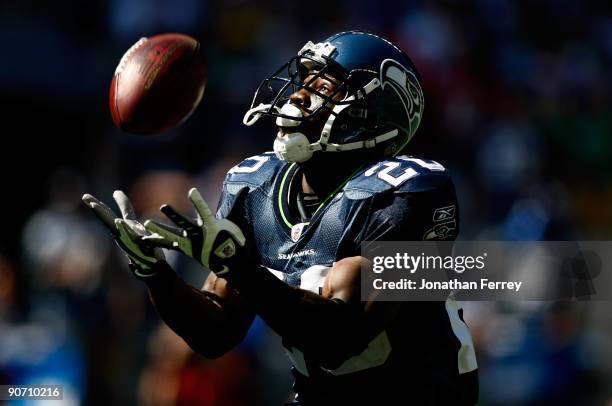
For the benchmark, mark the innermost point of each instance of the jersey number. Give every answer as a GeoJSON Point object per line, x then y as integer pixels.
{"type": "Point", "coordinates": [408, 173]}
{"type": "Point", "coordinates": [260, 160]}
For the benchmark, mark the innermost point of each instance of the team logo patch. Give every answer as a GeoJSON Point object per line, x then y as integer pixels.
{"type": "Point", "coordinates": [441, 231]}
{"type": "Point", "coordinates": [296, 231]}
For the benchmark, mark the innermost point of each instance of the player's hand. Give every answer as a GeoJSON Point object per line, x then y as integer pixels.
{"type": "Point", "coordinates": [128, 233]}
{"type": "Point", "coordinates": [218, 244]}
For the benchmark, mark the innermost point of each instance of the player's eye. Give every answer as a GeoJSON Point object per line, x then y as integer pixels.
{"type": "Point", "coordinates": [325, 88]}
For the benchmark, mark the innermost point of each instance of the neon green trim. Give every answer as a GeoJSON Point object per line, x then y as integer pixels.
{"type": "Point", "coordinates": [327, 199]}
{"type": "Point", "coordinates": [280, 196]}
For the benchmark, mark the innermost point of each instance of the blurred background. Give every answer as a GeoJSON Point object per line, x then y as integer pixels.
{"type": "Point", "coordinates": [517, 107]}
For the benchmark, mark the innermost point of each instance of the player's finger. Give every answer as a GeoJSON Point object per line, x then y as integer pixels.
{"type": "Point", "coordinates": [176, 217]}
{"type": "Point", "coordinates": [125, 206]}
{"type": "Point", "coordinates": [164, 226]}
{"type": "Point", "coordinates": [88, 199]}
{"type": "Point", "coordinates": [125, 229]}
{"type": "Point", "coordinates": [201, 206]}
{"type": "Point", "coordinates": [104, 215]}
{"type": "Point", "coordinates": [158, 241]}
{"type": "Point", "coordinates": [161, 235]}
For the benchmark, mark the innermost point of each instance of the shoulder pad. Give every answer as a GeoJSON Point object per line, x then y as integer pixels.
{"type": "Point", "coordinates": [254, 171]}
{"type": "Point", "coordinates": [400, 174]}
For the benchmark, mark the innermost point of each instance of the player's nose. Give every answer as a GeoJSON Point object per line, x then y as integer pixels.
{"type": "Point", "coordinates": [301, 98]}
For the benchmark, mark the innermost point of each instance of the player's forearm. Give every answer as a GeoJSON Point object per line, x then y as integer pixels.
{"type": "Point", "coordinates": [209, 326]}
{"type": "Point", "coordinates": [329, 330]}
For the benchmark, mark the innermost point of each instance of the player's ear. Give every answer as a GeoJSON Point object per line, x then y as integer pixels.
{"type": "Point", "coordinates": [237, 210]}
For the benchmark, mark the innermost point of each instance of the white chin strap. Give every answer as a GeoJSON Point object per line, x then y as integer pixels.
{"type": "Point", "coordinates": [292, 146]}
{"type": "Point", "coordinates": [295, 147]}
{"type": "Point", "coordinates": [254, 114]}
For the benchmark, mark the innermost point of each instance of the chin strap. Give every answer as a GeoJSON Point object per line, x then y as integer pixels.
{"type": "Point", "coordinates": [371, 143]}
{"type": "Point", "coordinates": [254, 114]}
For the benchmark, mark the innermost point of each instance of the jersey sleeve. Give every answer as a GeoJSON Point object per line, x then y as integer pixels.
{"type": "Point", "coordinates": [255, 172]}
{"type": "Point", "coordinates": [226, 200]}
{"type": "Point", "coordinates": [430, 214]}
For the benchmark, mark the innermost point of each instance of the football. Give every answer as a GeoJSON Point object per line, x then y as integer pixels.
{"type": "Point", "coordinates": [158, 84]}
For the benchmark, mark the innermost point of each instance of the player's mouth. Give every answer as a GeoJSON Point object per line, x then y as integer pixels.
{"type": "Point", "coordinates": [297, 118]}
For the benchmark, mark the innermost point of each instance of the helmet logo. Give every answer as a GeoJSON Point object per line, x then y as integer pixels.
{"type": "Point", "coordinates": [404, 82]}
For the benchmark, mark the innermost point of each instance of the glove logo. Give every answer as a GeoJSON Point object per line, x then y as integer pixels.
{"type": "Point", "coordinates": [226, 250]}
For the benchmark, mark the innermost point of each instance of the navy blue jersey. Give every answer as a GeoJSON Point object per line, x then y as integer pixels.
{"type": "Point", "coordinates": [427, 349]}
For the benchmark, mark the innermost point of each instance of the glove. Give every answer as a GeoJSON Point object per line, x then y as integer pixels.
{"type": "Point", "coordinates": [219, 245]}
{"type": "Point", "coordinates": [128, 233]}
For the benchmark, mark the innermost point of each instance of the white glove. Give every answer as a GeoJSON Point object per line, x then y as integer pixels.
{"type": "Point", "coordinates": [128, 233]}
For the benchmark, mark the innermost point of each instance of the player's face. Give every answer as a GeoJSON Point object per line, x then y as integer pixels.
{"type": "Point", "coordinates": [308, 99]}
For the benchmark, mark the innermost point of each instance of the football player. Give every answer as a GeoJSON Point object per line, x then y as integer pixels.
{"type": "Point", "coordinates": [285, 241]}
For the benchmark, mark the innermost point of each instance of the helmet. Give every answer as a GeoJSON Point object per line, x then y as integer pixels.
{"type": "Point", "coordinates": [379, 108]}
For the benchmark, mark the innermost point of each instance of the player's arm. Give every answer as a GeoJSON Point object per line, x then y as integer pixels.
{"type": "Point", "coordinates": [333, 326]}
{"type": "Point", "coordinates": [212, 320]}
{"type": "Point", "coordinates": [328, 328]}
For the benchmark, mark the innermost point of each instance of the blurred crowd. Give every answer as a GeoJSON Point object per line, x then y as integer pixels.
{"type": "Point", "coordinates": [517, 107]}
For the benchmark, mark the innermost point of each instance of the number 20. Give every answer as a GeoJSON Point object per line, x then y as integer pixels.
{"type": "Point", "coordinates": [408, 173]}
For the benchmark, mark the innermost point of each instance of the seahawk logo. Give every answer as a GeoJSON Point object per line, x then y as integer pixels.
{"type": "Point", "coordinates": [406, 85]}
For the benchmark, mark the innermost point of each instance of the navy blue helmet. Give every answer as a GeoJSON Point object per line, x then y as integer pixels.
{"type": "Point", "coordinates": [377, 103]}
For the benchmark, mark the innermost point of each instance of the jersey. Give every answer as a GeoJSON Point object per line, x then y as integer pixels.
{"type": "Point", "coordinates": [426, 354]}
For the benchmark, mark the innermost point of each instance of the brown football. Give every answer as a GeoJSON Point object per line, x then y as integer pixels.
{"type": "Point", "coordinates": [158, 84]}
